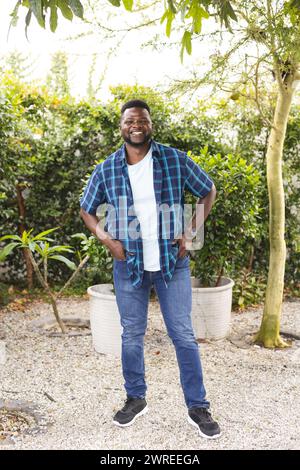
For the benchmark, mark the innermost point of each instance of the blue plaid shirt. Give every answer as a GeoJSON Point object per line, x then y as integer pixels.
{"type": "Point", "coordinates": [173, 173]}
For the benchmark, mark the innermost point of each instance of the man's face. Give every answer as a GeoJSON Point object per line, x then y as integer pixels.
{"type": "Point", "coordinates": [136, 126]}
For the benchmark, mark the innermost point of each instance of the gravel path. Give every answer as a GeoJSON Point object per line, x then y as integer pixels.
{"type": "Point", "coordinates": [254, 392]}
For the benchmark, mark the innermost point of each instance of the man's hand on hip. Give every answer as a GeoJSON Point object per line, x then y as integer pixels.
{"type": "Point", "coordinates": [184, 243]}
{"type": "Point", "coordinates": [116, 248]}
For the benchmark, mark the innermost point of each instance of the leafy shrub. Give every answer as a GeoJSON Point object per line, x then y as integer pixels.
{"type": "Point", "coordinates": [233, 225]}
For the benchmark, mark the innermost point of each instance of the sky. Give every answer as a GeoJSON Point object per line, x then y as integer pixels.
{"type": "Point", "coordinates": [130, 63]}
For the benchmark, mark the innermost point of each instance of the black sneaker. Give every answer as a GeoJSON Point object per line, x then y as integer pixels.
{"type": "Point", "coordinates": [201, 419]}
{"type": "Point", "coordinates": [133, 408]}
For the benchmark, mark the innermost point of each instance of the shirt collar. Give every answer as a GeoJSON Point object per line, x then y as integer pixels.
{"type": "Point", "coordinates": [122, 152]}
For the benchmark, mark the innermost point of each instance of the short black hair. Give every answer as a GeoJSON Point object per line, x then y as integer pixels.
{"type": "Point", "coordinates": [135, 104]}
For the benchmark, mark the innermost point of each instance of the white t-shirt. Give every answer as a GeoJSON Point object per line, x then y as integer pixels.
{"type": "Point", "coordinates": [141, 180]}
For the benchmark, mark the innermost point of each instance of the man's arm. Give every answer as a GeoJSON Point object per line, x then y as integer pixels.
{"type": "Point", "coordinates": [92, 223]}
{"type": "Point", "coordinates": [198, 219]}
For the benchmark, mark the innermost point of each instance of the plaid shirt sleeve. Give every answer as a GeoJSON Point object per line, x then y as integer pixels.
{"type": "Point", "coordinates": [94, 194]}
{"type": "Point", "coordinates": [197, 180]}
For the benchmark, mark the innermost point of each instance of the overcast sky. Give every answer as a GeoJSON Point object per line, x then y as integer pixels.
{"type": "Point", "coordinates": [129, 65]}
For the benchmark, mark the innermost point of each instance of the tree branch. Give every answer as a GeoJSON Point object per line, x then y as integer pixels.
{"type": "Point", "coordinates": [80, 266]}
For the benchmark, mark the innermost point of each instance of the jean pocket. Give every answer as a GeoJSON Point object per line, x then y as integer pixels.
{"type": "Point", "coordinates": [184, 260]}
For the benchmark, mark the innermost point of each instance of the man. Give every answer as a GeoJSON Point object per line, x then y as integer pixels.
{"type": "Point", "coordinates": [150, 248]}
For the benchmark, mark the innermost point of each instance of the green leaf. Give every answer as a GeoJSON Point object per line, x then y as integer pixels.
{"type": "Point", "coordinates": [82, 236]}
{"type": "Point", "coordinates": [77, 8]}
{"type": "Point", "coordinates": [181, 52]}
{"type": "Point", "coordinates": [41, 235]}
{"type": "Point", "coordinates": [39, 250]}
{"type": "Point", "coordinates": [44, 247]}
{"type": "Point", "coordinates": [172, 6]}
{"type": "Point", "coordinates": [11, 237]}
{"type": "Point", "coordinates": [128, 4]}
{"type": "Point", "coordinates": [65, 9]}
{"type": "Point", "coordinates": [169, 16]}
{"type": "Point", "coordinates": [164, 16]}
{"type": "Point", "coordinates": [24, 237]}
{"type": "Point", "coordinates": [197, 24]}
{"type": "Point", "coordinates": [27, 21]}
{"type": "Point", "coordinates": [197, 19]}
{"type": "Point", "coordinates": [37, 8]}
{"type": "Point", "coordinates": [61, 258]}
{"type": "Point", "coordinates": [226, 11]}
{"type": "Point", "coordinates": [115, 3]}
{"type": "Point", "coordinates": [170, 19]}
{"type": "Point", "coordinates": [59, 248]}
{"type": "Point", "coordinates": [295, 4]}
{"type": "Point", "coordinates": [53, 16]}
{"type": "Point", "coordinates": [14, 14]}
{"type": "Point", "coordinates": [7, 250]}
{"type": "Point", "coordinates": [229, 11]}
{"type": "Point", "coordinates": [203, 13]}
{"type": "Point", "coordinates": [186, 44]}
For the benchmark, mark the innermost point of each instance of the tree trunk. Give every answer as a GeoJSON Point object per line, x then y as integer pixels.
{"type": "Point", "coordinates": [47, 289]}
{"type": "Point", "coordinates": [21, 208]}
{"type": "Point", "coordinates": [268, 334]}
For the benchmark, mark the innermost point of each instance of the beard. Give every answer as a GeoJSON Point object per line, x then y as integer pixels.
{"type": "Point", "coordinates": [145, 140]}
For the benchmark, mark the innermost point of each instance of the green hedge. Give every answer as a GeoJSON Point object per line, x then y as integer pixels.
{"type": "Point", "coordinates": [48, 146]}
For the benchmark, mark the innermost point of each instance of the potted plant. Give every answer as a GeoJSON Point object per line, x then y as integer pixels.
{"type": "Point", "coordinates": [230, 234]}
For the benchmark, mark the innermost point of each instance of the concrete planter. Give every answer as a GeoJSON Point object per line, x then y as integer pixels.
{"type": "Point", "coordinates": [211, 314]}
{"type": "Point", "coordinates": [211, 309]}
{"type": "Point", "coordinates": [105, 320]}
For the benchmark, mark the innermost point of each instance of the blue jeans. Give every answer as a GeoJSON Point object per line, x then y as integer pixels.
{"type": "Point", "coordinates": [175, 303]}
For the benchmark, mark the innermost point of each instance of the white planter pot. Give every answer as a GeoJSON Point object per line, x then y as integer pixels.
{"type": "Point", "coordinates": [211, 309]}
{"type": "Point", "coordinates": [105, 320]}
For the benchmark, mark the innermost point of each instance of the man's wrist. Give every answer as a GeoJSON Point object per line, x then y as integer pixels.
{"type": "Point", "coordinates": [103, 236]}
{"type": "Point", "coordinates": [108, 242]}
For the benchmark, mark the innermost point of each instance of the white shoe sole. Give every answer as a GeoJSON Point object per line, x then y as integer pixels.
{"type": "Point", "coordinates": [216, 436]}
{"type": "Point", "coordinates": [141, 413]}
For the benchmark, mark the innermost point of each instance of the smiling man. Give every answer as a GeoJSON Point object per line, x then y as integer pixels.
{"type": "Point", "coordinates": [143, 184]}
